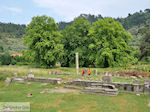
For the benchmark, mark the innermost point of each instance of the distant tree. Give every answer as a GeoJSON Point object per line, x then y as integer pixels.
{"type": "Point", "coordinates": [15, 30]}
{"type": "Point", "coordinates": [129, 14]}
{"type": "Point", "coordinates": [109, 44]}
{"type": "Point", "coordinates": [5, 59]}
{"type": "Point", "coordinates": [145, 44]}
{"type": "Point", "coordinates": [89, 17]}
{"type": "Point", "coordinates": [62, 25]}
{"type": "Point", "coordinates": [135, 19]}
{"type": "Point", "coordinates": [147, 10]}
{"type": "Point", "coordinates": [1, 49]}
{"type": "Point", "coordinates": [43, 40]}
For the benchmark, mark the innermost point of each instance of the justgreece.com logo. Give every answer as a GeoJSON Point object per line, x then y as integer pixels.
{"type": "Point", "coordinates": [14, 106]}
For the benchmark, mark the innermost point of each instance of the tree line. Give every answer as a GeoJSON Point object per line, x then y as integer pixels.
{"type": "Point", "coordinates": [103, 43]}
{"type": "Point", "coordinates": [84, 35]}
{"type": "Point", "coordinates": [12, 30]}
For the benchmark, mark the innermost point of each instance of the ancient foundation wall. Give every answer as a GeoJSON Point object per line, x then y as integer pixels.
{"type": "Point", "coordinates": [45, 80]}
{"type": "Point", "coordinates": [123, 87]}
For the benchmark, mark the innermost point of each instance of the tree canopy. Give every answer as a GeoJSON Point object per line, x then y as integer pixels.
{"type": "Point", "coordinates": [145, 43]}
{"type": "Point", "coordinates": [109, 44]}
{"type": "Point", "coordinates": [43, 40]}
{"type": "Point", "coordinates": [75, 39]}
{"type": "Point", "coordinates": [103, 44]}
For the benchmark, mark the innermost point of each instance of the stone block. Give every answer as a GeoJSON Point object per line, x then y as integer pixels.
{"type": "Point", "coordinates": [20, 80]}
{"type": "Point", "coordinates": [109, 74]}
{"type": "Point", "coordinates": [146, 88]}
{"type": "Point", "coordinates": [136, 82]}
{"type": "Point", "coordinates": [7, 81]}
{"type": "Point", "coordinates": [98, 90]}
{"type": "Point", "coordinates": [115, 74]}
{"type": "Point", "coordinates": [146, 81]}
{"type": "Point", "coordinates": [129, 87]}
{"type": "Point", "coordinates": [95, 72]}
{"type": "Point", "coordinates": [100, 73]}
{"type": "Point", "coordinates": [30, 75]}
{"type": "Point", "coordinates": [45, 80]}
{"type": "Point", "coordinates": [106, 74]}
{"type": "Point", "coordinates": [136, 88]}
{"type": "Point", "coordinates": [121, 86]}
{"type": "Point", "coordinates": [24, 77]}
{"type": "Point", "coordinates": [141, 89]}
{"type": "Point", "coordinates": [15, 75]}
{"type": "Point", "coordinates": [107, 79]}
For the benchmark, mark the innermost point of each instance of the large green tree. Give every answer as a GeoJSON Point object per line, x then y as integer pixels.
{"type": "Point", "coordinates": [43, 40]}
{"type": "Point", "coordinates": [109, 44]}
{"type": "Point", "coordinates": [75, 39]}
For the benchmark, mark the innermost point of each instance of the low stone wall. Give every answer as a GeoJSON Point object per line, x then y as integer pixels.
{"type": "Point", "coordinates": [101, 89]}
{"type": "Point", "coordinates": [123, 87]}
{"type": "Point", "coordinates": [132, 88]}
{"type": "Point", "coordinates": [97, 90]}
{"type": "Point", "coordinates": [45, 80]}
{"type": "Point", "coordinates": [58, 73]}
{"type": "Point", "coordinates": [84, 83]}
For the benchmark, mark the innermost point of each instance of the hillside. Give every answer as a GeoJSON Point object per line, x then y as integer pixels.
{"type": "Point", "coordinates": [136, 19]}
{"type": "Point", "coordinates": [11, 37]}
{"type": "Point", "coordinates": [11, 44]}
{"type": "Point", "coordinates": [13, 30]}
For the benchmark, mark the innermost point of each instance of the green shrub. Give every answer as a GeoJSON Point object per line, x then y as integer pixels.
{"type": "Point", "coordinates": [5, 59]}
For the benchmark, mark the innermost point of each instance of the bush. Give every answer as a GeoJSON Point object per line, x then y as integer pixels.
{"type": "Point", "coordinates": [5, 59]}
{"type": "Point", "coordinates": [146, 59]}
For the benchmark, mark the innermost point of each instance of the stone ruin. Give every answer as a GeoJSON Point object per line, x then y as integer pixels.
{"type": "Point", "coordinates": [7, 81]}
{"type": "Point", "coordinates": [115, 74]}
{"type": "Point", "coordinates": [30, 75]}
{"type": "Point", "coordinates": [45, 80]}
{"type": "Point", "coordinates": [107, 79]}
{"type": "Point", "coordinates": [20, 80]}
{"type": "Point", "coordinates": [105, 89]}
{"type": "Point", "coordinates": [58, 73]}
{"type": "Point", "coordinates": [95, 72]}
{"type": "Point", "coordinates": [93, 87]}
{"type": "Point", "coordinates": [15, 75]}
{"type": "Point", "coordinates": [122, 86]}
{"type": "Point", "coordinates": [30, 78]}
{"type": "Point", "coordinates": [106, 86]}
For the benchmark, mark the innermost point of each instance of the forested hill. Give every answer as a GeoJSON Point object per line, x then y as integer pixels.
{"type": "Point", "coordinates": [136, 19]}
{"type": "Point", "coordinates": [91, 18]}
{"type": "Point", "coordinates": [14, 30]}
{"type": "Point", "coordinates": [132, 20]}
{"type": "Point", "coordinates": [10, 37]}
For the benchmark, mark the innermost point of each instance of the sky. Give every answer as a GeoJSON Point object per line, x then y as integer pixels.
{"type": "Point", "coordinates": [22, 11]}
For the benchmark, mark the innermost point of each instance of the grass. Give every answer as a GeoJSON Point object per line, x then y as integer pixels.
{"type": "Point", "coordinates": [74, 102]}
{"type": "Point", "coordinates": [39, 72]}
{"type": "Point", "coordinates": [67, 102]}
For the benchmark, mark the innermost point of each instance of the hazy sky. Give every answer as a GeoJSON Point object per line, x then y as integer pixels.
{"type": "Point", "coordinates": [21, 11]}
